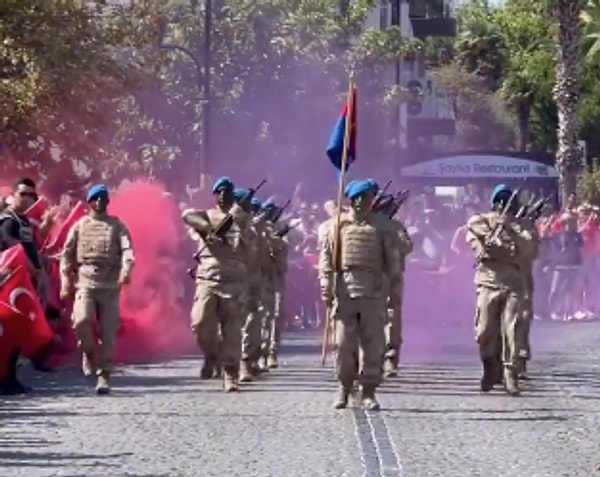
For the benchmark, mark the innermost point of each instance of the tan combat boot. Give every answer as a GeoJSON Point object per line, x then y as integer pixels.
{"type": "Point", "coordinates": [254, 369]}
{"type": "Point", "coordinates": [87, 365]}
{"type": "Point", "coordinates": [390, 370]}
{"type": "Point", "coordinates": [272, 362]}
{"type": "Point", "coordinates": [369, 403]}
{"type": "Point", "coordinates": [217, 370]}
{"type": "Point", "coordinates": [523, 370]}
{"type": "Point", "coordinates": [262, 364]}
{"type": "Point", "coordinates": [230, 384]}
{"type": "Point", "coordinates": [103, 383]}
{"type": "Point", "coordinates": [245, 372]}
{"type": "Point", "coordinates": [511, 382]}
{"type": "Point", "coordinates": [342, 396]}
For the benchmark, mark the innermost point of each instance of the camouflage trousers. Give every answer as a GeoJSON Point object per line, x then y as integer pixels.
{"type": "Point", "coordinates": [101, 307]}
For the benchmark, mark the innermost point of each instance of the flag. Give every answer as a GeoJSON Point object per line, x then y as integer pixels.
{"type": "Point", "coordinates": [11, 336]}
{"type": "Point", "coordinates": [16, 289]}
{"type": "Point", "coordinates": [36, 212]}
{"type": "Point", "coordinates": [55, 241]}
{"type": "Point", "coordinates": [335, 148]}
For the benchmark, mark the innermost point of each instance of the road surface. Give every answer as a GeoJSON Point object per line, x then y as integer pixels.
{"type": "Point", "coordinates": [162, 421]}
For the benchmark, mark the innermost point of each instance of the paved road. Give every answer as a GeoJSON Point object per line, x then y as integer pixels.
{"type": "Point", "coordinates": [162, 421]}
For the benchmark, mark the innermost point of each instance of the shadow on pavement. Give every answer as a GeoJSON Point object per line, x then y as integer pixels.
{"type": "Point", "coordinates": [54, 459]}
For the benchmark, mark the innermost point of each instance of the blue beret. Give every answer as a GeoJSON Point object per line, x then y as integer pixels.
{"type": "Point", "coordinates": [222, 183]}
{"type": "Point", "coordinates": [96, 191]}
{"type": "Point", "coordinates": [267, 206]}
{"type": "Point", "coordinates": [256, 203]}
{"type": "Point", "coordinates": [239, 194]}
{"type": "Point", "coordinates": [357, 188]}
{"type": "Point", "coordinates": [499, 191]}
{"type": "Point", "coordinates": [373, 183]}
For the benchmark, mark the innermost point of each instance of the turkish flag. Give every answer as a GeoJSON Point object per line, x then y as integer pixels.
{"type": "Point", "coordinates": [55, 241]}
{"type": "Point", "coordinates": [36, 212]}
{"type": "Point", "coordinates": [11, 335]}
{"type": "Point", "coordinates": [16, 289]}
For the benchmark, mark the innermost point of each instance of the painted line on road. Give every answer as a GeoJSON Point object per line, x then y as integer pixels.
{"type": "Point", "coordinates": [378, 455]}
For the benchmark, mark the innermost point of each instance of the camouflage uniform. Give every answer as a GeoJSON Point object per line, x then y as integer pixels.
{"type": "Point", "coordinates": [500, 293]}
{"type": "Point", "coordinates": [525, 325]}
{"type": "Point", "coordinates": [394, 312]}
{"type": "Point", "coordinates": [252, 330]}
{"type": "Point", "coordinates": [280, 249]}
{"type": "Point", "coordinates": [221, 286]}
{"type": "Point", "coordinates": [98, 255]}
{"type": "Point", "coordinates": [267, 305]}
{"type": "Point", "coordinates": [358, 294]}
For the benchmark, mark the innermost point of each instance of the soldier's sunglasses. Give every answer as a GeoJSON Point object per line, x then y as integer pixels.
{"type": "Point", "coordinates": [31, 195]}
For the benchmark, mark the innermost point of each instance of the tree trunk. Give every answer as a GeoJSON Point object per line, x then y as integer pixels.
{"type": "Point", "coordinates": [566, 93]}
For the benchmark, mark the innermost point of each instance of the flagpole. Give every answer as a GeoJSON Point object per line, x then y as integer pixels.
{"type": "Point", "coordinates": [338, 213]}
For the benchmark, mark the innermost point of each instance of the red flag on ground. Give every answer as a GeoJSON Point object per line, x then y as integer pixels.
{"type": "Point", "coordinates": [17, 290]}
{"type": "Point", "coordinates": [36, 212]}
{"type": "Point", "coordinates": [55, 241]}
{"type": "Point", "coordinates": [11, 335]}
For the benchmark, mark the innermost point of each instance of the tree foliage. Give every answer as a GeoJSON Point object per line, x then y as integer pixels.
{"type": "Point", "coordinates": [64, 67]}
{"type": "Point", "coordinates": [120, 89]}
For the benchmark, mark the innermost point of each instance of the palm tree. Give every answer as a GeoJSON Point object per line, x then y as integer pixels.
{"type": "Point", "coordinates": [566, 92]}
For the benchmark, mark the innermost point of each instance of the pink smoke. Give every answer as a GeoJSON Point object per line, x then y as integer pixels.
{"type": "Point", "coordinates": [154, 322]}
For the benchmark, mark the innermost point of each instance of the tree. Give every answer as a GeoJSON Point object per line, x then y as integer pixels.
{"type": "Point", "coordinates": [588, 186]}
{"type": "Point", "coordinates": [590, 18]}
{"type": "Point", "coordinates": [280, 69]}
{"type": "Point", "coordinates": [527, 76]}
{"type": "Point", "coordinates": [74, 63]}
{"type": "Point", "coordinates": [481, 120]}
{"type": "Point", "coordinates": [567, 91]}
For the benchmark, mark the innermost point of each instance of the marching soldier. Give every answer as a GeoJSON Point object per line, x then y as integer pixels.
{"type": "Point", "coordinates": [220, 283]}
{"type": "Point", "coordinates": [252, 329]}
{"type": "Point", "coordinates": [352, 286]}
{"type": "Point", "coordinates": [267, 270]}
{"type": "Point", "coordinates": [501, 244]}
{"type": "Point", "coordinates": [393, 329]}
{"type": "Point", "coordinates": [279, 256]}
{"type": "Point", "coordinates": [97, 260]}
{"type": "Point", "coordinates": [527, 264]}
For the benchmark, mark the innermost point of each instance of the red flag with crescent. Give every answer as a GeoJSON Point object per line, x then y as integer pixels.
{"type": "Point", "coordinates": [36, 212]}
{"type": "Point", "coordinates": [35, 215]}
{"type": "Point", "coordinates": [55, 241]}
{"type": "Point", "coordinates": [11, 335]}
{"type": "Point", "coordinates": [16, 289]}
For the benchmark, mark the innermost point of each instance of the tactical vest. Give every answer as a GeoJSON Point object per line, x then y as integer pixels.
{"type": "Point", "coordinates": [25, 228]}
{"type": "Point", "coordinates": [361, 246]}
{"type": "Point", "coordinates": [233, 238]}
{"type": "Point", "coordinates": [97, 242]}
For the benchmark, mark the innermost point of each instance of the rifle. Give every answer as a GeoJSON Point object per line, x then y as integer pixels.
{"type": "Point", "coordinates": [277, 215]}
{"type": "Point", "coordinates": [533, 211]}
{"type": "Point", "coordinates": [218, 233]}
{"type": "Point", "coordinates": [225, 224]}
{"type": "Point", "coordinates": [381, 197]}
{"type": "Point", "coordinates": [494, 234]}
{"type": "Point", "coordinates": [397, 201]}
